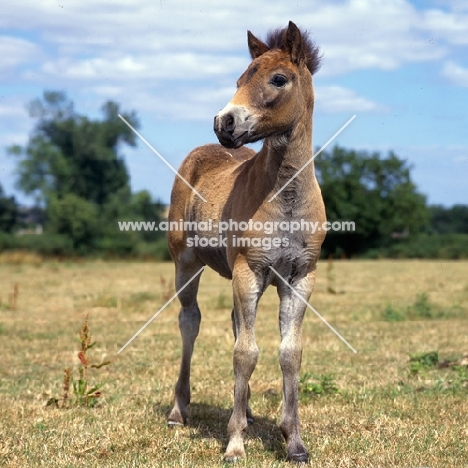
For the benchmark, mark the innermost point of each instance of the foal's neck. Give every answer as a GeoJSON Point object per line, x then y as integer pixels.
{"type": "Point", "coordinates": [284, 159]}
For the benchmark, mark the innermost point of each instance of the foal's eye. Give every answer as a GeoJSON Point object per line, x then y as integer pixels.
{"type": "Point", "coordinates": [279, 81]}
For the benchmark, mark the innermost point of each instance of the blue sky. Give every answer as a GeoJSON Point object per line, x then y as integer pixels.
{"type": "Point", "coordinates": [401, 66]}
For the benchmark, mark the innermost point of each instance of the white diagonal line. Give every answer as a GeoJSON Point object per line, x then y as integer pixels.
{"type": "Point", "coordinates": [313, 310]}
{"type": "Point", "coordinates": [160, 310]}
{"type": "Point", "coordinates": [312, 158]}
{"type": "Point", "coordinates": [162, 159]}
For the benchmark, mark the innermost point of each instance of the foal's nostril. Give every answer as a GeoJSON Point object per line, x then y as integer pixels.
{"type": "Point", "coordinates": [229, 123]}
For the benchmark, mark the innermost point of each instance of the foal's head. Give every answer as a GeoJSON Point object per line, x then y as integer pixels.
{"type": "Point", "coordinates": [275, 92]}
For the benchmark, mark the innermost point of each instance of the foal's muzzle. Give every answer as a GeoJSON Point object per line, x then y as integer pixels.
{"type": "Point", "coordinates": [233, 126]}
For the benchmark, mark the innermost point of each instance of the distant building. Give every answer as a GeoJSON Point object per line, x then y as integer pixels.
{"type": "Point", "coordinates": [400, 235]}
{"type": "Point", "coordinates": [31, 218]}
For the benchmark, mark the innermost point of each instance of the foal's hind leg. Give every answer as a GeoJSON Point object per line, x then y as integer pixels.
{"type": "Point", "coordinates": [248, 411]}
{"type": "Point", "coordinates": [189, 325]}
{"type": "Point", "coordinates": [292, 311]}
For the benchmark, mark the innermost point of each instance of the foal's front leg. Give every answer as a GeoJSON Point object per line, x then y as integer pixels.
{"type": "Point", "coordinates": [292, 311]}
{"type": "Point", "coordinates": [246, 296]}
{"type": "Point", "coordinates": [248, 411]}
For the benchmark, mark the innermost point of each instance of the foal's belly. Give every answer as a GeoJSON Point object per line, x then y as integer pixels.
{"type": "Point", "coordinates": [216, 259]}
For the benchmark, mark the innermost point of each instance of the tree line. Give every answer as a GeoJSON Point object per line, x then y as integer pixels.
{"type": "Point", "coordinates": [74, 168]}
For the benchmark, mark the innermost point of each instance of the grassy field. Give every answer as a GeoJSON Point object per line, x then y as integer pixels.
{"type": "Point", "coordinates": [375, 408]}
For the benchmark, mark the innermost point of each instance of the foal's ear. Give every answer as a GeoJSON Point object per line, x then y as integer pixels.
{"type": "Point", "coordinates": [256, 46]}
{"type": "Point", "coordinates": [293, 43]}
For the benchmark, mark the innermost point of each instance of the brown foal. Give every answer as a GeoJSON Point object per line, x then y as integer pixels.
{"type": "Point", "coordinates": [274, 101]}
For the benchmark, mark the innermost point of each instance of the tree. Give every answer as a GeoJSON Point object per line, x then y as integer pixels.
{"type": "Point", "coordinates": [73, 217]}
{"type": "Point", "coordinates": [143, 207]}
{"type": "Point", "coordinates": [449, 220]}
{"type": "Point", "coordinates": [376, 193]}
{"type": "Point", "coordinates": [73, 166]}
{"type": "Point", "coordinates": [8, 212]}
{"type": "Point", "coordinates": [68, 153]}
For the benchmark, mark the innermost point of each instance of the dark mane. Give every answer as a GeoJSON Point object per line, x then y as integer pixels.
{"type": "Point", "coordinates": [276, 40]}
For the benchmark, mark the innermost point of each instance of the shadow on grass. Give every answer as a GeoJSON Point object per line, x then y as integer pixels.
{"type": "Point", "coordinates": [210, 422]}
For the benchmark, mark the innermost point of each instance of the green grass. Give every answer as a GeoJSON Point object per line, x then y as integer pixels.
{"type": "Point", "coordinates": [139, 299]}
{"type": "Point", "coordinates": [391, 314]}
{"type": "Point", "coordinates": [423, 361]}
{"type": "Point", "coordinates": [421, 309]}
{"type": "Point", "coordinates": [314, 385]}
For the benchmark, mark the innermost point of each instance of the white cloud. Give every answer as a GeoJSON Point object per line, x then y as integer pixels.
{"type": "Point", "coordinates": [455, 74]}
{"type": "Point", "coordinates": [182, 104]}
{"type": "Point", "coordinates": [15, 51]}
{"type": "Point", "coordinates": [451, 27]}
{"type": "Point", "coordinates": [186, 66]}
{"type": "Point", "coordinates": [14, 121]}
{"type": "Point", "coordinates": [332, 99]}
{"type": "Point", "coordinates": [10, 110]}
{"type": "Point", "coordinates": [353, 34]}
{"type": "Point", "coordinates": [371, 34]}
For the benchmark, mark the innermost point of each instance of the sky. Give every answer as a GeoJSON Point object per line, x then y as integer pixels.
{"type": "Point", "coordinates": [400, 66]}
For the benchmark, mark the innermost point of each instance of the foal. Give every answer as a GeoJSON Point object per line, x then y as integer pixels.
{"type": "Point", "coordinates": [274, 101]}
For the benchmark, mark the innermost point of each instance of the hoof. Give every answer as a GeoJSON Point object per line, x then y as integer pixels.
{"type": "Point", "coordinates": [299, 457]}
{"type": "Point", "coordinates": [173, 424]}
{"type": "Point", "coordinates": [234, 454]}
{"type": "Point", "coordinates": [177, 417]}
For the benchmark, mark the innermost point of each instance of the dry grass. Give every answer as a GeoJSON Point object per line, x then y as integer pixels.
{"type": "Point", "coordinates": [20, 257]}
{"type": "Point", "coordinates": [383, 415]}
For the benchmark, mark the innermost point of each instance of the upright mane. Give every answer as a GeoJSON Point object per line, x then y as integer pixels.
{"type": "Point", "coordinates": [276, 40]}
